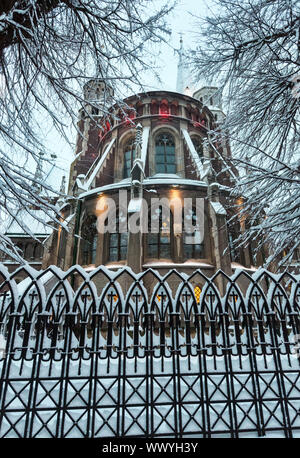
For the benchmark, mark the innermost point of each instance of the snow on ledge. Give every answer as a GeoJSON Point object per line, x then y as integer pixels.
{"type": "Point", "coordinates": [171, 265]}
{"type": "Point", "coordinates": [169, 179]}
{"type": "Point", "coordinates": [218, 208]}
{"type": "Point", "coordinates": [236, 265]}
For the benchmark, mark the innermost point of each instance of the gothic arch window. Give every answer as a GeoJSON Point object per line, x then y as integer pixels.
{"type": "Point", "coordinates": [197, 142]}
{"type": "Point", "coordinates": [37, 251]}
{"type": "Point", "coordinates": [165, 160]}
{"type": "Point", "coordinates": [28, 251]}
{"type": "Point", "coordinates": [164, 107]}
{"type": "Point", "coordinates": [21, 247]}
{"type": "Point", "coordinates": [89, 236]}
{"type": "Point", "coordinates": [188, 112]}
{"type": "Point", "coordinates": [118, 241]}
{"type": "Point", "coordinates": [159, 243]}
{"type": "Point", "coordinates": [129, 156]}
{"type": "Point", "coordinates": [154, 107]}
{"type": "Point", "coordinates": [193, 247]}
{"type": "Point", "coordinates": [195, 115]}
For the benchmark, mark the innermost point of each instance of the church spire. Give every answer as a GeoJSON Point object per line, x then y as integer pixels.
{"type": "Point", "coordinates": [180, 68]}
{"type": "Point", "coordinates": [183, 83]}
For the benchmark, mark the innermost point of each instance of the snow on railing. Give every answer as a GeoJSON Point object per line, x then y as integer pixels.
{"type": "Point", "coordinates": [156, 347]}
{"type": "Point", "coordinates": [148, 304]}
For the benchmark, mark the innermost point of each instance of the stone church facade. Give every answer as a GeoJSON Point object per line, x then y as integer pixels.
{"type": "Point", "coordinates": [157, 147]}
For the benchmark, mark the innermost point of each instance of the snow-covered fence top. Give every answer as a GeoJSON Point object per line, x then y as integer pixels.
{"type": "Point", "coordinates": [114, 353]}
{"type": "Point", "coordinates": [111, 312]}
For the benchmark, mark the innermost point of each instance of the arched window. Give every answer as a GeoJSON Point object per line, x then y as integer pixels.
{"type": "Point", "coordinates": [139, 109]}
{"type": "Point", "coordinates": [188, 112]}
{"type": "Point", "coordinates": [164, 107]}
{"type": "Point", "coordinates": [159, 242]}
{"type": "Point", "coordinates": [193, 247]}
{"type": "Point", "coordinates": [174, 108]}
{"type": "Point", "coordinates": [129, 156]}
{"type": "Point", "coordinates": [37, 251]}
{"type": "Point", "coordinates": [89, 237]}
{"type": "Point", "coordinates": [165, 153]}
{"type": "Point", "coordinates": [118, 241]}
{"type": "Point", "coordinates": [195, 114]}
{"type": "Point", "coordinates": [198, 146]}
{"type": "Point", "coordinates": [154, 107]}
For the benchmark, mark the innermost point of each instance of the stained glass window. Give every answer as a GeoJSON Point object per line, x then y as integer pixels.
{"type": "Point", "coordinates": [197, 292]}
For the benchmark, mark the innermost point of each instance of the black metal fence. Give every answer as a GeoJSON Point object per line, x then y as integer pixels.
{"type": "Point", "coordinates": [124, 354]}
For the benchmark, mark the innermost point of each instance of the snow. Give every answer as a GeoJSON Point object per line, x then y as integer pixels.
{"type": "Point", "coordinates": [94, 382]}
{"type": "Point", "coordinates": [135, 205]}
{"type": "Point", "coordinates": [145, 138]}
{"type": "Point", "coordinates": [95, 169]}
{"type": "Point", "coordinates": [36, 227]}
{"type": "Point", "coordinates": [218, 208]}
{"type": "Point", "coordinates": [236, 265]}
{"type": "Point", "coordinates": [193, 153]}
{"type": "Point", "coordinates": [23, 285]}
{"type": "Point", "coordinates": [168, 264]}
{"type": "Point", "coordinates": [158, 179]}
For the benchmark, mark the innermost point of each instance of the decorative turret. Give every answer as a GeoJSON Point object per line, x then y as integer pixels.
{"type": "Point", "coordinates": [210, 96]}
{"type": "Point", "coordinates": [99, 94]}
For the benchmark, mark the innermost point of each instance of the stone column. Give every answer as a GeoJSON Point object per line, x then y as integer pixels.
{"type": "Point", "coordinates": [219, 233]}
{"type": "Point", "coordinates": [135, 208]}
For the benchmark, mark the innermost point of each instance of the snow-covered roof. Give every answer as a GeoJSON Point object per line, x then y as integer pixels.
{"type": "Point", "coordinates": [158, 179]}
{"type": "Point", "coordinates": [12, 227]}
{"type": "Point", "coordinates": [218, 208]}
{"type": "Point", "coordinates": [172, 265]}
{"type": "Point", "coordinates": [94, 170]}
{"type": "Point", "coordinates": [53, 173]}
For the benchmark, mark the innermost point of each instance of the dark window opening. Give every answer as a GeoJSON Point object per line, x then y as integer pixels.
{"type": "Point", "coordinates": [165, 154]}
{"type": "Point", "coordinates": [89, 236]}
{"type": "Point", "coordinates": [193, 247]}
{"type": "Point", "coordinates": [129, 156]}
{"type": "Point", "coordinates": [118, 242]}
{"type": "Point", "coordinates": [159, 244]}
{"type": "Point", "coordinates": [164, 109]}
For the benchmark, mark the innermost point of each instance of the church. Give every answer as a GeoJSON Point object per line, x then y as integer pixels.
{"type": "Point", "coordinates": [158, 324]}
{"type": "Point", "coordinates": [157, 147]}
{"type": "Point", "coordinates": [150, 152]}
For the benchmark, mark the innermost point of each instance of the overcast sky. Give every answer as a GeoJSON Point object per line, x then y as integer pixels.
{"type": "Point", "coordinates": [181, 21]}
